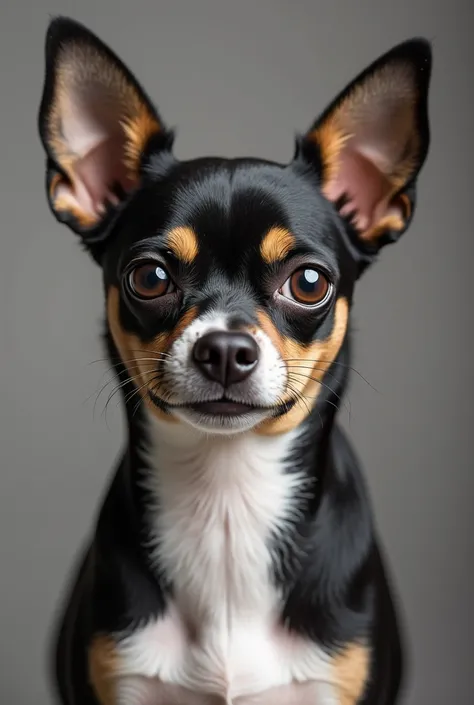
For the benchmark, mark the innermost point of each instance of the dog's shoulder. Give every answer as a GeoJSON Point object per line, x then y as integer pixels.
{"type": "Point", "coordinates": [332, 601]}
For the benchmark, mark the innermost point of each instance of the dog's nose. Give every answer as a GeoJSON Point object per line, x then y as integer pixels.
{"type": "Point", "coordinates": [226, 357]}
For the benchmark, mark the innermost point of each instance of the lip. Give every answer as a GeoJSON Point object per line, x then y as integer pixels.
{"type": "Point", "coordinates": [222, 407]}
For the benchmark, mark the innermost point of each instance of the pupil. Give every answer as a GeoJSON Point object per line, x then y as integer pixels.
{"type": "Point", "coordinates": [154, 277]}
{"type": "Point", "coordinates": [308, 280]}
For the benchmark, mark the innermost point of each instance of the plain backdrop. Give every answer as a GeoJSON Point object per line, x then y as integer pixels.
{"type": "Point", "coordinates": [240, 78]}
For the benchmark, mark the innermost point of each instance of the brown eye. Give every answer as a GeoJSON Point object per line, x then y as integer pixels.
{"type": "Point", "coordinates": [306, 286]}
{"type": "Point", "coordinates": [150, 281]}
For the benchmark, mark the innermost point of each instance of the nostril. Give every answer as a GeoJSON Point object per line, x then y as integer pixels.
{"type": "Point", "coordinates": [245, 357]}
{"type": "Point", "coordinates": [213, 356]}
{"type": "Point", "coordinates": [205, 353]}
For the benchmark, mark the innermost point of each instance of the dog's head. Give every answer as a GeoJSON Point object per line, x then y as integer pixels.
{"type": "Point", "coordinates": [229, 282]}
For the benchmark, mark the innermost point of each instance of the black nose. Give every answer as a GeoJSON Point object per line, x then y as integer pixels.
{"type": "Point", "coordinates": [226, 357]}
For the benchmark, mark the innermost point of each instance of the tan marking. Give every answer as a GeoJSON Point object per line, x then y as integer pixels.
{"type": "Point", "coordinates": [276, 244]}
{"type": "Point", "coordinates": [140, 357]}
{"type": "Point", "coordinates": [83, 65]}
{"type": "Point", "coordinates": [186, 319]}
{"type": "Point", "coordinates": [339, 130]}
{"type": "Point", "coordinates": [67, 204]}
{"type": "Point", "coordinates": [104, 665]}
{"type": "Point", "coordinates": [331, 140]}
{"type": "Point", "coordinates": [313, 360]}
{"type": "Point", "coordinates": [352, 672]}
{"type": "Point", "coordinates": [138, 131]}
{"type": "Point", "coordinates": [389, 222]}
{"type": "Point", "coordinates": [183, 243]}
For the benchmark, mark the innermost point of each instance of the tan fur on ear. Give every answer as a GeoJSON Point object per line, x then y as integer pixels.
{"type": "Point", "coordinates": [391, 90]}
{"type": "Point", "coordinates": [372, 135]}
{"type": "Point", "coordinates": [81, 68]}
{"type": "Point", "coordinates": [97, 126]}
{"type": "Point", "coordinates": [138, 131]}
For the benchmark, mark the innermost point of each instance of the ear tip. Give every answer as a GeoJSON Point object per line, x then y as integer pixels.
{"type": "Point", "coordinates": [420, 48]}
{"type": "Point", "coordinates": [61, 29]}
{"type": "Point", "coordinates": [60, 25]}
{"type": "Point", "coordinates": [417, 50]}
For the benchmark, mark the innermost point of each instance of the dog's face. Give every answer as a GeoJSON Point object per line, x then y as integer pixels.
{"type": "Point", "coordinates": [229, 282]}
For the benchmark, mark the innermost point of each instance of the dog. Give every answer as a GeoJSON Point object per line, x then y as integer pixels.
{"type": "Point", "coordinates": [235, 558]}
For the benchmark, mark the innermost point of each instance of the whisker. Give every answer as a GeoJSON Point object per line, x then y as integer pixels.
{"type": "Point", "coordinates": [120, 373]}
{"type": "Point", "coordinates": [126, 363]}
{"type": "Point", "coordinates": [153, 384]}
{"type": "Point", "coordinates": [318, 381]}
{"type": "Point", "coordinates": [121, 385]}
{"type": "Point", "coordinates": [291, 370]}
{"type": "Point", "coordinates": [148, 383]}
{"type": "Point", "coordinates": [327, 401]}
{"type": "Point", "coordinates": [309, 367]}
{"type": "Point", "coordinates": [335, 362]}
{"type": "Point", "coordinates": [300, 398]}
{"type": "Point", "coordinates": [120, 360]}
{"type": "Point", "coordinates": [116, 389]}
{"type": "Point", "coordinates": [136, 392]}
{"type": "Point", "coordinates": [114, 376]}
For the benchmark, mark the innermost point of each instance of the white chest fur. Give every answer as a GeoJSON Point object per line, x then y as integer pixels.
{"type": "Point", "coordinates": [216, 506]}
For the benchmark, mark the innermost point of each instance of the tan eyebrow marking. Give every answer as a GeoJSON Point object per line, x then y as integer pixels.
{"type": "Point", "coordinates": [182, 241]}
{"type": "Point", "coordinates": [276, 244]}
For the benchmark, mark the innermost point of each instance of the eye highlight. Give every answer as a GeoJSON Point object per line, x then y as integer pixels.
{"type": "Point", "coordinates": [307, 286]}
{"type": "Point", "coordinates": [150, 280]}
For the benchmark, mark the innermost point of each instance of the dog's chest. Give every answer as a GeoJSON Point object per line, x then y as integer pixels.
{"type": "Point", "coordinates": [216, 510]}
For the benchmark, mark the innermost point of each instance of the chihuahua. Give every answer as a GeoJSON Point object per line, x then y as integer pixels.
{"type": "Point", "coordinates": [235, 558]}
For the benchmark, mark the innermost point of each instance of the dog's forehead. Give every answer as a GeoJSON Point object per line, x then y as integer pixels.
{"type": "Point", "coordinates": [230, 206]}
{"type": "Point", "coordinates": [247, 198]}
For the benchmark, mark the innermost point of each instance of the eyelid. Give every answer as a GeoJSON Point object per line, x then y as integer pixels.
{"type": "Point", "coordinates": [308, 260]}
{"type": "Point", "coordinates": [143, 258]}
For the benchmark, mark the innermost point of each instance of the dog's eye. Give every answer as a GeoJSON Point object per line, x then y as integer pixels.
{"type": "Point", "coordinates": [307, 286]}
{"type": "Point", "coordinates": [150, 281]}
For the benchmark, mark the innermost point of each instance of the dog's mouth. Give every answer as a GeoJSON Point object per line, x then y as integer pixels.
{"type": "Point", "coordinates": [223, 413]}
{"type": "Point", "coordinates": [222, 407]}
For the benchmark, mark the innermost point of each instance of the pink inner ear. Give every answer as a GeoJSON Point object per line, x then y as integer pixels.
{"type": "Point", "coordinates": [96, 178]}
{"type": "Point", "coordinates": [99, 173]}
{"type": "Point", "coordinates": [92, 132]}
{"type": "Point", "coordinates": [364, 185]}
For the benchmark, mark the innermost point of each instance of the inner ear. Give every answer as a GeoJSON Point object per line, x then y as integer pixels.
{"type": "Point", "coordinates": [373, 140]}
{"type": "Point", "coordinates": [91, 145]}
{"type": "Point", "coordinates": [96, 122]}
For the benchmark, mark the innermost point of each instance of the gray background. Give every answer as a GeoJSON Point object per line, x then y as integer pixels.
{"type": "Point", "coordinates": [239, 78]}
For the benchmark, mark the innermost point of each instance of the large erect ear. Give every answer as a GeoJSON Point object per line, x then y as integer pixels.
{"type": "Point", "coordinates": [372, 141]}
{"type": "Point", "coordinates": [96, 124]}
